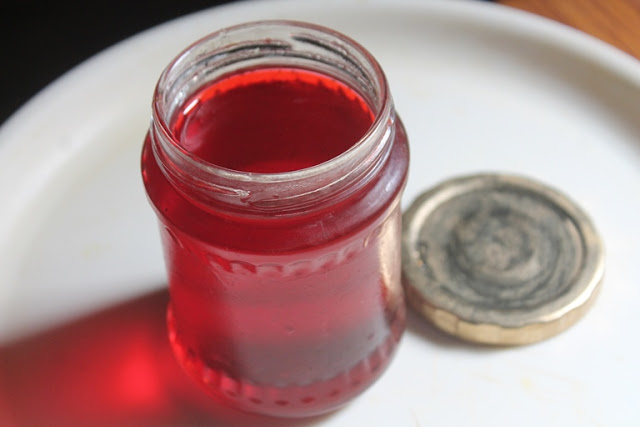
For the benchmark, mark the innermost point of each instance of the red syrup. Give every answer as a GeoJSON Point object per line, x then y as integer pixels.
{"type": "Point", "coordinates": [272, 120]}
{"type": "Point", "coordinates": [282, 315]}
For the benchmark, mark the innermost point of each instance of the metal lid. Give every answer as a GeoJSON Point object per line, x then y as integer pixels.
{"type": "Point", "coordinates": [500, 259]}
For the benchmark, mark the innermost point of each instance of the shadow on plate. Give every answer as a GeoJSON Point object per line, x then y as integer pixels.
{"type": "Point", "coordinates": [421, 327]}
{"type": "Point", "coordinates": [113, 367]}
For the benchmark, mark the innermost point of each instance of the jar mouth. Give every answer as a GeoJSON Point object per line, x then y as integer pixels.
{"type": "Point", "coordinates": [262, 44]}
{"type": "Point", "coordinates": [273, 177]}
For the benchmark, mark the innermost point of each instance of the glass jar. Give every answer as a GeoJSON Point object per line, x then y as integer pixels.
{"type": "Point", "coordinates": [285, 290]}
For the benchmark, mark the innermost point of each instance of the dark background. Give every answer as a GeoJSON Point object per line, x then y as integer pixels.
{"type": "Point", "coordinates": [42, 40]}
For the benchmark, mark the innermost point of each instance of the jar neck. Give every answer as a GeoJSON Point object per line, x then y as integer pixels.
{"type": "Point", "coordinates": [272, 44]}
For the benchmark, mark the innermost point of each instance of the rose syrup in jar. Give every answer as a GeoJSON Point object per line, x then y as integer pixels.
{"type": "Point", "coordinates": [275, 164]}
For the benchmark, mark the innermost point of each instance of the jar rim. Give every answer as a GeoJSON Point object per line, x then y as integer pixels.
{"type": "Point", "coordinates": [382, 113]}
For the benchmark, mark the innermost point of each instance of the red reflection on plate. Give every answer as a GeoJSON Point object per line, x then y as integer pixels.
{"type": "Point", "coordinates": [111, 368]}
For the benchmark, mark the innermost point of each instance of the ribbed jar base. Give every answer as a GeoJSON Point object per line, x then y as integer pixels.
{"type": "Point", "coordinates": [290, 401]}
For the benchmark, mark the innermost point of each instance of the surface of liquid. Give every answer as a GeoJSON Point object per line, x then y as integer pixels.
{"type": "Point", "coordinates": [282, 316]}
{"type": "Point", "coordinates": [272, 120]}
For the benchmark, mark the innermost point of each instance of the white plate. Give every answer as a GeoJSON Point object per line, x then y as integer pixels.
{"type": "Point", "coordinates": [479, 87]}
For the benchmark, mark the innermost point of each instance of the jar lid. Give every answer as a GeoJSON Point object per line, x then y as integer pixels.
{"type": "Point", "coordinates": [500, 259]}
